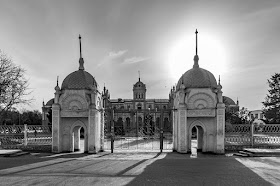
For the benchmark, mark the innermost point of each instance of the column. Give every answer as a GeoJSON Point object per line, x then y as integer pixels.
{"type": "Point", "coordinates": [182, 130]}
{"type": "Point", "coordinates": [56, 147]}
{"type": "Point", "coordinates": [102, 130]}
{"type": "Point", "coordinates": [91, 130]}
{"type": "Point", "coordinates": [220, 128]}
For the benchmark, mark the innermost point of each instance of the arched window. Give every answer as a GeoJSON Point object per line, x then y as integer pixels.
{"type": "Point", "coordinates": [157, 122]}
{"type": "Point", "coordinates": [140, 122]}
{"type": "Point", "coordinates": [165, 123]}
{"type": "Point", "coordinates": [127, 120]}
{"type": "Point", "coordinates": [139, 106]}
{"type": "Point", "coordinates": [164, 107]}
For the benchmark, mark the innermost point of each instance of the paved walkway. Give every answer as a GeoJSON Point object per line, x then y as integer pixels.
{"type": "Point", "coordinates": [139, 169]}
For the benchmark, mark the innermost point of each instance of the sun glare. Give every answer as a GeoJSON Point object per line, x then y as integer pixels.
{"type": "Point", "coordinates": [211, 54]}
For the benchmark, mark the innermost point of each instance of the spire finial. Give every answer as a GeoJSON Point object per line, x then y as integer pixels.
{"type": "Point", "coordinates": [237, 102]}
{"type": "Point", "coordinates": [219, 80]}
{"type": "Point", "coordinates": [196, 58]}
{"type": "Point", "coordinates": [81, 60]}
{"type": "Point", "coordinates": [139, 74]}
{"type": "Point", "coordinates": [57, 80]}
{"type": "Point", "coordinates": [80, 45]}
{"type": "Point", "coordinates": [196, 32]}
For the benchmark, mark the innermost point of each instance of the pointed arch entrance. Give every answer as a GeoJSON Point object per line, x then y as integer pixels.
{"type": "Point", "coordinates": [77, 136]}
{"type": "Point", "coordinates": [197, 136]}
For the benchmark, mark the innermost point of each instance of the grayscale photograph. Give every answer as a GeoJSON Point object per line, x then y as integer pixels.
{"type": "Point", "coordinates": [139, 92]}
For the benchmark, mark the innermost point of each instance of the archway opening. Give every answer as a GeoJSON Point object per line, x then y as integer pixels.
{"type": "Point", "coordinates": [196, 139]}
{"type": "Point", "coordinates": [78, 137]}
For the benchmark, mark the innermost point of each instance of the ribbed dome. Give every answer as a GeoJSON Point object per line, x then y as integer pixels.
{"type": "Point", "coordinates": [228, 101]}
{"type": "Point", "coordinates": [79, 79]}
{"type": "Point", "coordinates": [197, 78]}
{"type": "Point", "coordinates": [50, 102]}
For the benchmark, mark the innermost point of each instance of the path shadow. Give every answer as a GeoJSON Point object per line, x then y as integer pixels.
{"type": "Point", "coordinates": [180, 169]}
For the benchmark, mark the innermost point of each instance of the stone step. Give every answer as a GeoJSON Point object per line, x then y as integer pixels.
{"type": "Point", "coordinates": [18, 154]}
{"type": "Point", "coordinates": [245, 153]}
{"type": "Point", "coordinates": [7, 152]}
{"type": "Point", "coordinates": [241, 154]}
{"type": "Point", "coordinates": [263, 152]}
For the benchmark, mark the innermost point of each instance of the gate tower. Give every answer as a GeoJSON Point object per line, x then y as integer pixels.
{"type": "Point", "coordinates": [198, 103]}
{"type": "Point", "coordinates": [77, 104]}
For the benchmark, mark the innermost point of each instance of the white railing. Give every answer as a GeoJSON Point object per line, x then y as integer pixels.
{"type": "Point", "coordinates": [23, 135]}
{"type": "Point", "coordinates": [250, 135]}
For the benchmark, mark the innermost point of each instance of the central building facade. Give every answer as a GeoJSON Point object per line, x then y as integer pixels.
{"type": "Point", "coordinates": [130, 115]}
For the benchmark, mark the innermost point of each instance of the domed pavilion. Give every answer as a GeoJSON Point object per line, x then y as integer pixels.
{"type": "Point", "coordinates": [77, 104]}
{"type": "Point", "coordinates": [198, 106]}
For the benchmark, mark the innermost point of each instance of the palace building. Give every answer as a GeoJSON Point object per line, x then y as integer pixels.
{"type": "Point", "coordinates": [130, 115]}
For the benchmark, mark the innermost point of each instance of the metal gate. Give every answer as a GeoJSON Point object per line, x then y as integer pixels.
{"type": "Point", "coordinates": [147, 137]}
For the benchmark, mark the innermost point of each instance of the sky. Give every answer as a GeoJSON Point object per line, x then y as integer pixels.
{"type": "Point", "coordinates": [237, 39]}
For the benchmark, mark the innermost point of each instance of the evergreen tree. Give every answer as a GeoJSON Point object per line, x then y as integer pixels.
{"type": "Point", "coordinates": [272, 100]}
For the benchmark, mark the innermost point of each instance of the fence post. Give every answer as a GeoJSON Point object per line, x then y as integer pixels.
{"type": "Point", "coordinates": [25, 135]}
{"type": "Point", "coordinates": [252, 134]}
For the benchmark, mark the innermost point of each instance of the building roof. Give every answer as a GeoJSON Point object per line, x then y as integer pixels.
{"type": "Point", "coordinates": [228, 101]}
{"type": "Point", "coordinates": [79, 79]}
{"type": "Point", "coordinates": [50, 102]}
{"type": "Point", "coordinates": [197, 78]}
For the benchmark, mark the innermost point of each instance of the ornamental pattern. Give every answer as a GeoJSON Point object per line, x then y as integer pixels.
{"type": "Point", "coordinates": [200, 101]}
{"type": "Point", "coordinates": [74, 102]}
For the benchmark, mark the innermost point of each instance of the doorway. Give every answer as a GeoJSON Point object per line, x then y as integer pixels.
{"type": "Point", "coordinates": [78, 138]}
{"type": "Point", "coordinates": [196, 139]}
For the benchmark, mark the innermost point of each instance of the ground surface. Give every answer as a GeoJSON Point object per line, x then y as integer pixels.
{"type": "Point", "coordinates": [138, 168]}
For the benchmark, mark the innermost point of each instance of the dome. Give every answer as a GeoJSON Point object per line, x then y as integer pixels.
{"type": "Point", "coordinates": [79, 79]}
{"type": "Point", "coordinates": [197, 78]}
{"type": "Point", "coordinates": [50, 102]}
{"type": "Point", "coordinates": [228, 101]}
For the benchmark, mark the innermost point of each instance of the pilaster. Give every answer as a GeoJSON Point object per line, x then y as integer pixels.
{"type": "Point", "coordinates": [91, 130]}
{"type": "Point", "coordinates": [220, 128]}
{"type": "Point", "coordinates": [102, 130]}
{"type": "Point", "coordinates": [182, 130]}
{"type": "Point", "coordinates": [56, 147]}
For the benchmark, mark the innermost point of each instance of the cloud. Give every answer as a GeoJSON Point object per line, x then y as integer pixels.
{"type": "Point", "coordinates": [114, 55]}
{"type": "Point", "coordinates": [133, 60]}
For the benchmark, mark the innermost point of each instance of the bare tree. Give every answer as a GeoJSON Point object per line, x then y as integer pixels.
{"type": "Point", "coordinates": [13, 84]}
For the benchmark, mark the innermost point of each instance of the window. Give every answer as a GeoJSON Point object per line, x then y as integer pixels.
{"type": "Point", "coordinates": [164, 107]}
{"type": "Point", "coordinates": [261, 116]}
{"type": "Point", "coordinates": [256, 116]}
{"type": "Point", "coordinates": [139, 106]}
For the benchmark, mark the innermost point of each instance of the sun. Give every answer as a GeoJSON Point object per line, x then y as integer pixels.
{"type": "Point", "coordinates": [212, 55]}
